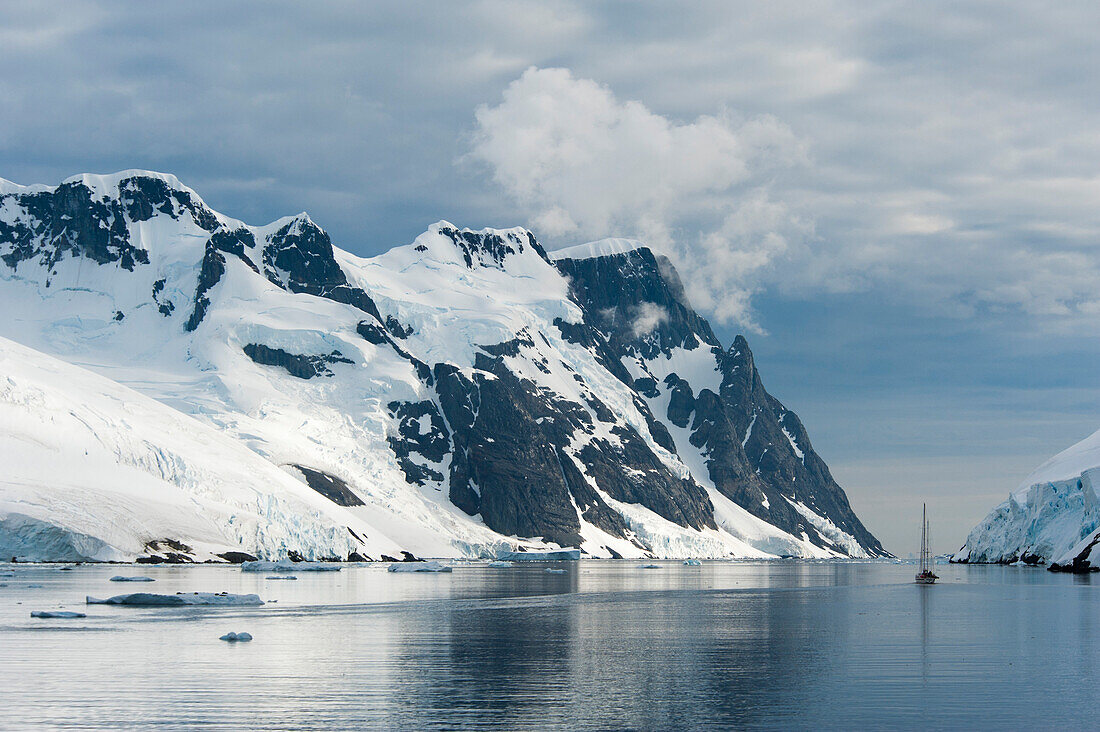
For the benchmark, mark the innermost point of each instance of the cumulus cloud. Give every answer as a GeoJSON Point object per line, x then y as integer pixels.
{"type": "Point", "coordinates": [584, 164]}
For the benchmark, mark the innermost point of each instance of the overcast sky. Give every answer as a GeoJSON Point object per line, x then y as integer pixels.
{"type": "Point", "coordinates": [898, 203]}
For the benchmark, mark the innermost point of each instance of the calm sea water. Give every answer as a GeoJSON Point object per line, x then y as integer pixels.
{"type": "Point", "coordinates": [607, 645]}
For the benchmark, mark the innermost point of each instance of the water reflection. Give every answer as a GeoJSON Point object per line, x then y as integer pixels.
{"type": "Point", "coordinates": [605, 645]}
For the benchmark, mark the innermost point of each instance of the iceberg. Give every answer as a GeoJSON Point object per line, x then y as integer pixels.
{"type": "Point", "coordinates": [149, 599]}
{"type": "Point", "coordinates": [692, 562]}
{"type": "Point", "coordinates": [284, 577]}
{"type": "Point", "coordinates": [56, 614]}
{"type": "Point", "coordinates": [236, 637]}
{"type": "Point", "coordinates": [419, 567]}
{"type": "Point", "coordinates": [551, 570]}
{"type": "Point", "coordinates": [139, 578]}
{"type": "Point", "coordinates": [500, 564]}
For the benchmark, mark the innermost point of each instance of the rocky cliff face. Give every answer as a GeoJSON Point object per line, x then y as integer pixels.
{"type": "Point", "coordinates": [461, 394]}
{"type": "Point", "coordinates": [755, 450]}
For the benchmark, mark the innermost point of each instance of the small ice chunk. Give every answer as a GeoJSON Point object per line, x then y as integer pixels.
{"type": "Point", "coordinates": [692, 562]}
{"type": "Point", "coordinates": [500, 564]}
{"type": "Point", "coordinates": [236, 637]}
{"type": "Point", "coordinates": [285, 565]}
{"type": "Point", "coordinates": [419, 567]}
{"type": "Point", "coordinates": [139, 578]}
{"type": "Point", "coordinates": [651, 566]}
{"type": "Point", "coordinates": [34, 587]}
{"type": "Point", "coordinates": [56, 614]}
{"type": "Point", "coordinates": [551, 570]}
{"type": "Point", "coordinates": [284, 577]}
{"type": "Point", "coordinates": [64, 569]}
{"type": "Point", "coordinates": [149, 599]}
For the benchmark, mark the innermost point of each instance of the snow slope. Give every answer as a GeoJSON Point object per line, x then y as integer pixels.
{"type": "Point", "coordinates": [1053, 518]}
{"type": "Point", "coordinates": [95, 471]}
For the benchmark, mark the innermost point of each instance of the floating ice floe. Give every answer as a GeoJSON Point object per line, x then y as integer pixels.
{"type": "Point", "coordinates": [123, 578]}
{"type": "Point", "coordinates": [419, 567]}
{"type": "Point", "coordinates": [692, 562]}
{"type": "Point", "coordinates": [236, 637]}
{"type": "Point", "coordinates": [64, 569]}
{"type": "Point", "coordinates": [500, 563]}
{"type": "Point", "coordinates": [285, 565]}
{"type": "Point", "coordinates": [551, 570]}
{"type": "Point", "coordinates": [149, 599]}
{"type": "Point", "coordinates": [652, 566]}
{"type": "Point", "coordinates": [283, 577]}
{"type": "Point", "coordinates": [550, 555]}
{"type": "Point", "coordinates": [56, 614]}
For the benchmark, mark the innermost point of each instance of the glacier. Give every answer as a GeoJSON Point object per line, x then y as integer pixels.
{"type": "Point", "coordinates": [1053, 518]}
{"type": "Point", "coordinates": [177, 385]}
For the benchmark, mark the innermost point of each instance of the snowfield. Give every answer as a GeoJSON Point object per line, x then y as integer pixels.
{"type": "Point", "coordinates": [1053, 518]}
{"type": "Point", "coordinates": [94, 470]}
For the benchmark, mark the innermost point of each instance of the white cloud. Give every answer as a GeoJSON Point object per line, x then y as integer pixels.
{"type": "Point", "coordinates": [647, 317]}
{"type": "Point", "coordinates": [584, 164]}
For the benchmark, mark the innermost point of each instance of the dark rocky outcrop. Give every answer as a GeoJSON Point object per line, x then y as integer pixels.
{"type": "Point", "coordinates": [1080, 564]}
{"type": "Point", "coordinates": [512, 459]}
{"type": "Point", "coordinates": [298, 257]}
{"type": "Point", "coordinates": [411, 441]}
{"type": "Point", "coordinates": [68, 220]}
{"type": "Point", "coordinates": [335, 489]}
{"type": "Point", "coordinates": [490, 249]}
{"type": "Point", "coordinates": [237, 557]}
{"type": "Point", "coordinates": [301, 366]}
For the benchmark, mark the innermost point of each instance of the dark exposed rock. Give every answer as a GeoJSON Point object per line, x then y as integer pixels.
{"type": "Point", "coordinates": [335, 489]}
{"type": "Point", "coordinates": [210, 273]}
{"type": "Point", "coordinates": [68, 220]}
{"type": "Point", "coordinates": [617, 290]}
{"type": "Point", "coordinates": [301, 366]}
{"type": "Point", "coordinates": [393, 325]}
{"type": "Point", "coordinates": [237, 557]}
{"type": "Point", "coordinates": [298, 257]}
{"type": "Point", "coordinates": [143, 196]}
{"type": "Point", "coordinates": [411, 440]}
{"type": "Point", "coordinates": [511, 465]}
{"type": "Point", "coordinates": [1080, 563]}
{"type": "Point", "coordinates": [491, 249]}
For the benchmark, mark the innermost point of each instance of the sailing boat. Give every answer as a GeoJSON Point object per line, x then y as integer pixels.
{"type": "Point", "coordinates": [925, 576]}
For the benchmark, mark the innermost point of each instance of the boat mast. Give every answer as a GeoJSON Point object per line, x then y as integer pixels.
{"type": "Point", "coordinates": [924, 538]}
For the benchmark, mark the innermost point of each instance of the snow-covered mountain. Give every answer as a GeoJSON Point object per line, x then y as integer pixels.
{"type": "Point", "coordinates": [1053, 518]}
{"type": "Point", "coordinates": [269, 394]}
